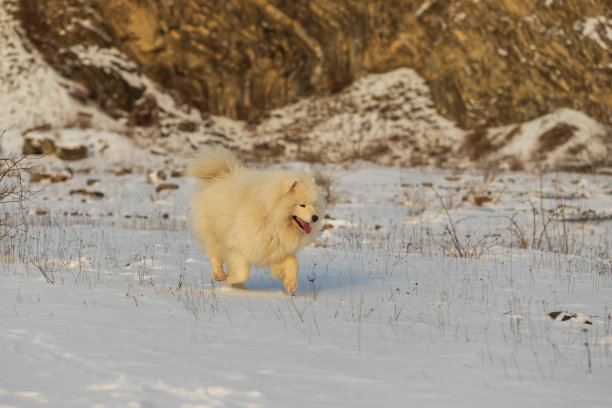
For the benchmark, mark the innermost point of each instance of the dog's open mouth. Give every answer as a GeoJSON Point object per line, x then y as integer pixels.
{"type": "Point", "coordinates": [304, 226]}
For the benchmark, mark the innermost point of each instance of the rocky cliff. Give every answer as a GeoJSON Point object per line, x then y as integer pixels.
{"type": "Point", "coordinates": [487, 63]}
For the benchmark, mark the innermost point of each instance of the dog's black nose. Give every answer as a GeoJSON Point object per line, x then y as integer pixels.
{"type": "Point", "coordinates": [315, 218]}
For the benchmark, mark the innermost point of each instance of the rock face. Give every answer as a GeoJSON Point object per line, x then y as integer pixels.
{"type": "Point", "coordinates": [488, 63]}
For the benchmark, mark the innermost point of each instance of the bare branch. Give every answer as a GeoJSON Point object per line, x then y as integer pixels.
{"type": "Point", "coordinates": [14, 190]}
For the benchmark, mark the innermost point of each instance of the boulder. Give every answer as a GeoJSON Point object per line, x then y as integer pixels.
{"type": "Point", "coordinates": [72, 153]}
{"type": "Point", "coordinates": [38, 146]}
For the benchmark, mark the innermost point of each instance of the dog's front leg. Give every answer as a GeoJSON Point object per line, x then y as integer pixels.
{"type": "Point", "coordinates": [216, 272]}
{"type": "Point", "coordinates": [237, 269]}
{"type": "Point", "coordinates": [287, 271]}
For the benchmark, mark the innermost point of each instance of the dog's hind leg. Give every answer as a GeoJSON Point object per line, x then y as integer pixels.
{"type": "Point", "coordinates": [216, 272]}
{"type": "Point", "coordinates": [237, 269]}
{"type": "Point", "coordinates": [287, 271]}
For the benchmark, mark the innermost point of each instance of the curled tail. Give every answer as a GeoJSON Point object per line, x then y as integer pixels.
{"type": "Point", "coordinates": [214, 163]}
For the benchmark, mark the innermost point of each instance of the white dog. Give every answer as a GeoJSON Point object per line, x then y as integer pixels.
{"type": "Point", "coordinates": [245, 217]}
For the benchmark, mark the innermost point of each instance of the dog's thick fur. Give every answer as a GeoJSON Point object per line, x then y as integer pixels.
{"type": "Point", "coordinates": [245, 217]}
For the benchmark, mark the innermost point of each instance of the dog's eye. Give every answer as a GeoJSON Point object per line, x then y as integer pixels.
{"type": "Point", "coordinates": [303, 205]}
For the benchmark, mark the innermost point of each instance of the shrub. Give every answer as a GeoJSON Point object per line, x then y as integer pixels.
{"type": "Point", "coordinates": [14, 191]}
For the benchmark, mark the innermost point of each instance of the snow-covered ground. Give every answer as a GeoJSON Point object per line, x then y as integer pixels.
{"type": "Point", "coordinates": [106, 300]}
{"type": "Point", "coordinates": [427, 287]}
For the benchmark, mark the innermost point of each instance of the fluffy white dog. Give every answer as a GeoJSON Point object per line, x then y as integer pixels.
{"type": "Point", "coordinates": [245, 217]}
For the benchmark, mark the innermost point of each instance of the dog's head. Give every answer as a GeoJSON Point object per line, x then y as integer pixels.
{"type": "Point", "coordinates": [306, 206]}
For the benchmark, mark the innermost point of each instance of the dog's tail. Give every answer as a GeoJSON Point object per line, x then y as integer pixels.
{"type": "Point", "coordinates": [214, 163]}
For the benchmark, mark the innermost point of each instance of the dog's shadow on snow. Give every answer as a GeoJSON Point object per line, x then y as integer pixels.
{"type": "Point", "coordinates": [330, 279]}
{"type": "Point", "coordinates": [261, 283]}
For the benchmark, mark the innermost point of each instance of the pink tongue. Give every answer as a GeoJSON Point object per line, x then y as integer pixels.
{"type": "Point", "coordinates": [305, 225]}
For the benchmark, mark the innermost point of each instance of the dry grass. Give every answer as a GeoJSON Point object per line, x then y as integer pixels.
{"type": "Point", "coordinates": [325, 181]}
{"type": "Point", "coordinates": [550, 228]}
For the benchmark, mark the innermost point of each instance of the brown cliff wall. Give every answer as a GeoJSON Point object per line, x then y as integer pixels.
{"type": "Point", "coordinates": [487, 62]}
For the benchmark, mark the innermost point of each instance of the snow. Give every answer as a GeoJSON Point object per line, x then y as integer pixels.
{"type": "Point", "coordinates": [428, 287]}
{"type": "Point", "coordinates": [423, 8]}
{"type": "Point", "coordinates": [388, 117]}
{"type": "Point", "coordinates": [384, 314]}
{"type": "Point", "coordinates": [589, 28]}
{"type": "Point", "coordinates": [31, 92]}
{"type": "Point", "coordinates": [588, 134]}
{"type": "Point", "coordinates": [115, 60]}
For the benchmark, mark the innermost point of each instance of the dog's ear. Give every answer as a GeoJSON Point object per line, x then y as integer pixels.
{"type": "Point", "coordinates": [293, 185]}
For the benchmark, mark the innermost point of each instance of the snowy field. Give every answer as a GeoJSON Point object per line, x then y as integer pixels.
{"type": "Point", "coordinates": [428, 288]}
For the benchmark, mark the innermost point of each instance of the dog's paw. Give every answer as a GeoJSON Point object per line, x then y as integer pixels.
{"type": "Point", "coordinates": [290, 284]}
{"type": "Point", "coordinates": [218, 275]}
